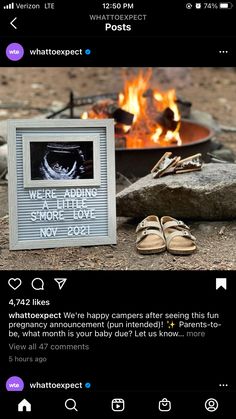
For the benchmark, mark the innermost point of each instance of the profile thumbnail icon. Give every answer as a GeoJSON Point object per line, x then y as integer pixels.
{"type": "Point", "coordinates": [15, 383]}
{"type": "Point", "coordinates": [15, 51]}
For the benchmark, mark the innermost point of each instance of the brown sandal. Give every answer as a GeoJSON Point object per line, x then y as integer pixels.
{"type": "Point", "coordinates": [179, 240]}
{"type": "Point", "coordinates": [150, 237]}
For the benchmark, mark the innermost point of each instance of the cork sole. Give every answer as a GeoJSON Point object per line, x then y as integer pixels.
{"type": "Point", "coordinates": [151, 244]}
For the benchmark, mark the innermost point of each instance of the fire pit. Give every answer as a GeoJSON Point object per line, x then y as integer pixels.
{"type": "Point", "coordinates": [148, 122]}
{"type": "Point", "coordinates": [133, 162]}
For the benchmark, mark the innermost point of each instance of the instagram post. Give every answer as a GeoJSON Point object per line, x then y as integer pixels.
{"type": "Point", "coordinates": [174, 157]}
{"type": "Point", "coordinates": [117, 209]}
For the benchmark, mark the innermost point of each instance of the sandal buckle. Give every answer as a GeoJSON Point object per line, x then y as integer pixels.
{"type": "Point", "coordinates": [182, 224]}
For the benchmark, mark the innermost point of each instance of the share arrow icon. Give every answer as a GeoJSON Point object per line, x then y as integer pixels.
{"type": "Point", "coordinates": [61, 282]}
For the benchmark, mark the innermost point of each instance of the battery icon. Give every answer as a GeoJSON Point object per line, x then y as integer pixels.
{"type": "Point", "coordinates": [226, 5]}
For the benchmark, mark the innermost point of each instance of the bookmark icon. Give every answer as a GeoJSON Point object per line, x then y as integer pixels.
{"type": "Point", "coordinates": [221, 283]}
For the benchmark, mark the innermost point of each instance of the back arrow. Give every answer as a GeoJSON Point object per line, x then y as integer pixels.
{"type": "Point", "coordinates": [12, 23]}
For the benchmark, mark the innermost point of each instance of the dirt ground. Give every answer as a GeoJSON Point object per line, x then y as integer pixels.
{"type": "Point", "coordinates": [30, 92]}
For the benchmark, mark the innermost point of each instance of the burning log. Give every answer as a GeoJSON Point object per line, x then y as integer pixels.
{"type": "Point", "coordinates": [124, 121]}
{"type": "Point", "coordinates": [144, 116]}
{"type": "Point", "coordinates": [166, 120]}
{"type": "Point", "coordinates": [123, 117]}
{"type": "Point", "coordinates": [148, 93]}
{"type": "Point", "coordinates": [109, 109]}
{"type": "Point", "coordinates": [104, 108]}
{"type": "Point", "coordinates": [120, 142]}
{"type": "Point", "coordinates": [184, 107]}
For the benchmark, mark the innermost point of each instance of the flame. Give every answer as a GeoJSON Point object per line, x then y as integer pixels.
{"type": "Point", "coordinates": [145, 130]}
{"type": "Point", "coordinates": [133, 100]}
{"type": "Point", "coordinates": [84, 115]}
{"type": "Point", "coordinates": [167, 100]}
{"type": "Point", "coordinates": [146, 104]}
{"type": "Point", "coordinates": [157, 134]}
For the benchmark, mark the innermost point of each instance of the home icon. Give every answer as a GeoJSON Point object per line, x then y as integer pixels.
{"type": "Point", "coordinates": [24, 406]}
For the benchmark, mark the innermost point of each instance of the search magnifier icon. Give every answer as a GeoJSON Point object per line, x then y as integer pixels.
{"type": "Point", "coordinates": [70, 404]}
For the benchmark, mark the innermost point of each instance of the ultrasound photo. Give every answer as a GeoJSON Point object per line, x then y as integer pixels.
{"type": "Point", "coordinates": [61, 160]}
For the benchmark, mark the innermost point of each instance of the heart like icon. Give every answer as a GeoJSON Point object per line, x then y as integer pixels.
{"type": "Point", "coordinates": [14, 283]}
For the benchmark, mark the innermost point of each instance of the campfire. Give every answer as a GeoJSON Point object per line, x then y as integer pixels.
{"type": "Point", "coordinates": [148, 123]}
{"type": "Point", "coordinates": [145, 117]}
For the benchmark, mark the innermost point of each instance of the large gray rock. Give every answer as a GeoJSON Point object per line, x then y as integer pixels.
{"type": "Point", "coordinates": [209, 194]}
{"type": "Point", "coordinates": [205, 119]}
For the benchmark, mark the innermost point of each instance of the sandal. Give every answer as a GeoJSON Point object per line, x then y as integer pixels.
{"type": "Point", "coordinates": [179, 240]}
{"type": "Point", "coordinates": [150, 237]}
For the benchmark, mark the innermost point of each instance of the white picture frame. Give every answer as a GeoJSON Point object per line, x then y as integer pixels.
{"type": "Point", "coordinates": [31, 201]}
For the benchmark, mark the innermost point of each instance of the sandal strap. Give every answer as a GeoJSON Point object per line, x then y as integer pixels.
{"type": "Point", "coordinates": [144, 233]}
{"type": "Point", "coordinates": [175, 223]}
{"type": "Point", "coordinates": [148, 224]}
{"type": "Point", "coordinates": [183, 233]}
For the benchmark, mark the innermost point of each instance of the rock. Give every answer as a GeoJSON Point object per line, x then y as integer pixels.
{"type": "Point", "coordinates": [224, 154]}
{"type": "Point", "coordinates": [206, 228]}
{"type": "Point", "coordinates": [3, 127]}
{"type": "Point", "coordinates": [209, 194]}
{"type": "Point", "coordinates": [222, 100]}
{"type": "Point", "coordinates": [37, 86]}
{"type": "Point", "coordinates": [205, 119]}
{"type": "Point", "coordinates": [3, 132]}
{"type": "Point", "coordinates": [72, 74]}
{"type": "Point", "coordinates": [3, 160]}
{"type": "Point", "coordinates": [57, 104]}
{"type": "Point", "coordinates": [3, 113]}
{"type": "Point", "coordinates": [222, 231]}
{"type": "Point", "coordinates": [216, 144]}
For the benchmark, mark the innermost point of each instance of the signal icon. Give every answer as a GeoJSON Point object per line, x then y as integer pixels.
{"type": "Point", "coordinates": [9, 6]}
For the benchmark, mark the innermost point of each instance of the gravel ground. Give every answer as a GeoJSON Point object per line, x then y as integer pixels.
{"type": "Point", "coordinates": [215, 240]}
